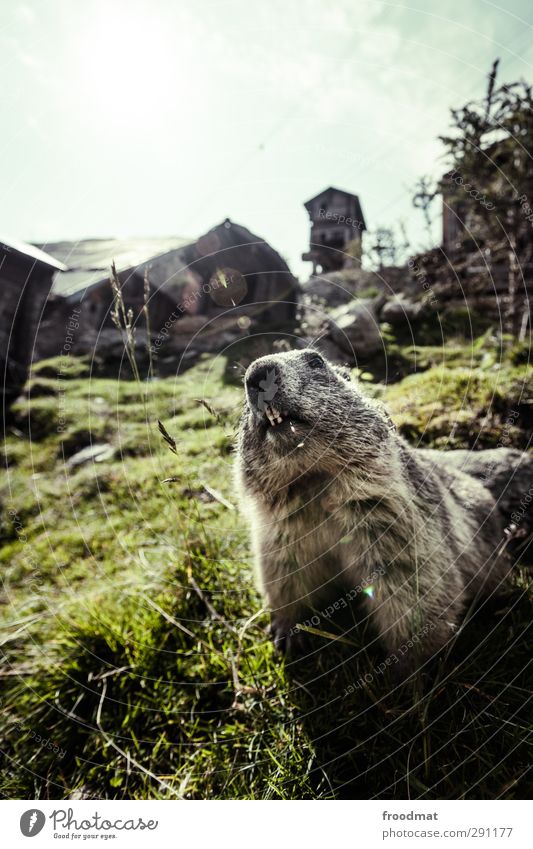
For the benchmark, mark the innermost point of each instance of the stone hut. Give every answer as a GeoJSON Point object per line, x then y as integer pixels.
{"type": "Point", "coordinates": [26, 277]}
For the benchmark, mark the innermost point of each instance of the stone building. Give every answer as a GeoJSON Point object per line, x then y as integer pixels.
{"type": "Point", "coordinates": [26, 277]}
{"type": "Point", "coordinates": [227, 274]}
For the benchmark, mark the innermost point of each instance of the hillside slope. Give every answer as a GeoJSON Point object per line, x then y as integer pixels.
{"type": "Point", "coordinates": [136, 661]}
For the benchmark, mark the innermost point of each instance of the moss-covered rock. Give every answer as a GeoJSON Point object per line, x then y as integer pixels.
{"type": "Point", "coordinates": [464, 407]}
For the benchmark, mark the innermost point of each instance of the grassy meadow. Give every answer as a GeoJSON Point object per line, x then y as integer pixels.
{"type": "Point", "coordinates": [135, 656]}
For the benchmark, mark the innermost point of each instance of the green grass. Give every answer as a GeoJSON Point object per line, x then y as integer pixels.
{"type": "Point", "coordinates": [134, 641]}
{"type": "Point", "coordinates": [460, 407]}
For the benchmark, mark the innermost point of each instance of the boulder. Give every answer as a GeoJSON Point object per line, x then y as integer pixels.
{"type": "Point", "coordinates": [341, 287]}
{"type": "Point", "coordinates": [326, 291]}
{"type": "Point", "coordinates": [108, 343]}
{"type": "Point", "coordinates": [93, 453]}
{"type": "Point", "coordinates": [399, 310]}
{"type": "Point", "coordinates": [506, 472]}
{"type": "Point", "coordinates": [202, 334]}
{"type": "Point", "coordinates": [328, 348]}
{"type": "Point", "coordinates": [355, 327]}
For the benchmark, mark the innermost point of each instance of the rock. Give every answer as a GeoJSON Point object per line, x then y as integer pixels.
{"type": "Point", "coordinates": [355, 328]}
{"type": "Point", "coordinates": [206, 334]}
{"type": "Point", "coordinates": [96, 453]}
{"type": "Point", "coordinates": [326, 291]}
{"type": "Point", "coordinates": [399, 310]}
{"type": "Point", "coordinates": [194, 336]}
{"type": "Point", "coordinates": [506, 472]}
{"type": "Point", "coordinates": [328, 348]}
{"type": "Point", "coordinates": [109, 353]}
{"type": "Point", "coordinates": [341, 287]}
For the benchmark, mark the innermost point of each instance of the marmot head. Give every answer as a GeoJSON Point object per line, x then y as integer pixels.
{"type": "Point", "coordinates": [303, 415]}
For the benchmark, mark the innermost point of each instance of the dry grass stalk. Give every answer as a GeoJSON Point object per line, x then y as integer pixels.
{"type": "Point", "coordinates": [123, 320]}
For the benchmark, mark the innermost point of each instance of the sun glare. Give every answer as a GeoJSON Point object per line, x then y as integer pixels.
{"type": "Point", "coordinates": [130, 63]}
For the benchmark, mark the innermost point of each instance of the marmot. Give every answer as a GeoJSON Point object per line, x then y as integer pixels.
{"type": "Point", "coordinates": [334, 495]}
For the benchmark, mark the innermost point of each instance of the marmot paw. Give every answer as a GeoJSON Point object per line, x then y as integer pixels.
{"type": "Point", "coordinates": [287, 637]}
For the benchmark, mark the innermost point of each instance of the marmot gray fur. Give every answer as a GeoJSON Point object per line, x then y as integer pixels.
{"type": "Point", "coordinates": [336, 500]}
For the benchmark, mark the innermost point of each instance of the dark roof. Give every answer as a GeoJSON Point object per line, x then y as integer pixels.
{"type": "Point", "coordinates": [31, 252]}
{"type": "Point", "coordinates": [308, 203]}
{"type": "Point", "coordinates": [358, 209]}
{"type": "Point", "coordinates": [89, 260]}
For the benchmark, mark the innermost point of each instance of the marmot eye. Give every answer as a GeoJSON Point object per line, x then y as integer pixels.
{"type": "Point", "coordinates": [316, 362]}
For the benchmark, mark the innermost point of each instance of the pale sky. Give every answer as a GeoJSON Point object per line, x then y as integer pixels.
{"type": "Point", "coordinates": [162, 117]}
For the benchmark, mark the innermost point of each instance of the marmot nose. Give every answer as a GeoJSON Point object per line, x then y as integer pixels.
{"type": "Point", "coordinates": [263, 381]}
{"type": "Point", "coordinates": [257, 378]}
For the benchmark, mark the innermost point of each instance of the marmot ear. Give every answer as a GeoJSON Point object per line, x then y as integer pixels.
{"type": "Point", "coordinates": [344, 372]}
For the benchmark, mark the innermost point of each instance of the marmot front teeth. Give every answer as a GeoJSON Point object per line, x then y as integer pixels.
{"type": "Point", "coordinates": [273, 415]}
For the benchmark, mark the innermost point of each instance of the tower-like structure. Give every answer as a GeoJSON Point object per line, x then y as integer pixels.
{"type": "Point", "coordinates": [337, 226]}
